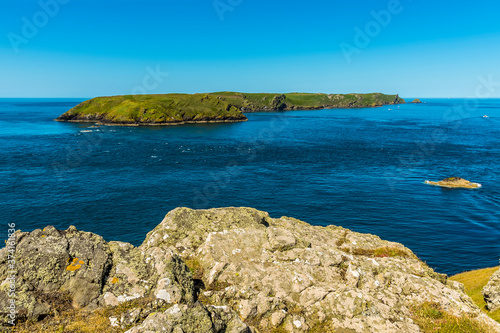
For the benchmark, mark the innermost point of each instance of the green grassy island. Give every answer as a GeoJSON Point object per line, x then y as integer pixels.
{"type": "Point", "coordinates": [171, 109]}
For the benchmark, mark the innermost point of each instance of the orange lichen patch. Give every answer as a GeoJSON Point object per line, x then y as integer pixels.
{"type": "Point", "coordinates": [76, 264]}
{"type": "Point", "coordinates": [115, 280]}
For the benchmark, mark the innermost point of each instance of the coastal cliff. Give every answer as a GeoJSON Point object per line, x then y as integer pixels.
{"type": "Point", "coordinates": [171, 109]}
{"type": "Point", "coordinates": [231, 270]}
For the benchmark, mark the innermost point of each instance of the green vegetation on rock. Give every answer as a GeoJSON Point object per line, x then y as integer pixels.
{"type": "Point", "coordinates": [211, 107]}
{"type": "Point", "coordinates": [154, 109]}
{"type": "Point", "coordinates": [305, 101]}
{"type": "Point", "coordinates": [432, 318]}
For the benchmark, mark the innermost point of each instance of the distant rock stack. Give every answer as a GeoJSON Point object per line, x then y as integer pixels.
{"type": "Point", "coordinates": [416, 100]}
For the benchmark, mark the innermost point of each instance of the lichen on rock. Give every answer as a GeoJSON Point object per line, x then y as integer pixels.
{"type": "Point", "coordinates": [249, 273]}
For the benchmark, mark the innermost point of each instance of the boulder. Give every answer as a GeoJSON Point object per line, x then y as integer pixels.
{"type": "Point", "coordinates": [55, 269]}
{"type": "Point", "coordinates": [287, 275]}
{"type": "Point", "coordinates": [491, 292]}
{"type": "Point", "coordinates": [193, 319]}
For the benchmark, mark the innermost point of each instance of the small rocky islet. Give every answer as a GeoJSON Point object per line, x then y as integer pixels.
{"type": "Point", "coordinates": [176, 109]}
{"type": "Point", "coordinates": [454, 182]}
{"type": "Point", "coordinates": [234, 270]}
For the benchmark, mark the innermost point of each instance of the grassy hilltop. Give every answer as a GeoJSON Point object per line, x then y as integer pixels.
{"type": "Point", "coordinates": [210, 107]}
{"type": "Point", "coordinates": [306, 101]}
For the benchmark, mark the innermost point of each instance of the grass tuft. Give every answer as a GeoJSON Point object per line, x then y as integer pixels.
{"type": "Point", "coordinates": [381, 252]}
{"type": "Point", "coordinates": [474, 282]}
{"type": "Point", "coordinates": [431, 318]}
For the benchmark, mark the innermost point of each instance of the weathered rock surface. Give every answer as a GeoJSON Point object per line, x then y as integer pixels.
{"type": "Point", "coordinates": [284, 273]}
{"type": "Point", "coordinates": [56, 266]}
{"type": "Point", "coordinates": [247, 272]}
{"type": "Point", "coordinates": [454, 182]}
{"type": "Point", "coordinates": [491, 292]}
{"type": "Point", "coordinates": [81, 269]}
{"type": "Point", "coordinates": [195, 319]}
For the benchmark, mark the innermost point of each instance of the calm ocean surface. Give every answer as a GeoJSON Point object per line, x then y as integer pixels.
{"type": "Point", "coordinates": [362, 169]}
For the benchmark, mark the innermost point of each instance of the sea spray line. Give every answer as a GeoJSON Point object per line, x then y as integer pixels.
{"type": "Point", "coordinates": [223, 178]}
{"type": "Point", "coordinates": [75, 156]}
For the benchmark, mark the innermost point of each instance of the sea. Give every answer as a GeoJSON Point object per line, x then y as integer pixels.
{"type": "Point", "coordinates": [362, 169]}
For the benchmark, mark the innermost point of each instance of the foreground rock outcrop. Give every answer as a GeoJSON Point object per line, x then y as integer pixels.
{"type": "Point", "coordinates": [491, 292]}
{"type": "Point", "coordinates": [234, 270]}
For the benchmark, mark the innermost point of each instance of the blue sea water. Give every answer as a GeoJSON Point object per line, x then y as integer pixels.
{"type": "Point", "coordinates": [363, 169]}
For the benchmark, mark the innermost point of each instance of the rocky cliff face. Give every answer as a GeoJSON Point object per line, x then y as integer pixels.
{"type": "Point", "coordinates": [491, 292]}
{"type": "Point", "coordinates": [234, 270]}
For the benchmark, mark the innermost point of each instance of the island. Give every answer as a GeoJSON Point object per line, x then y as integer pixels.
{"type": "Point", "coordinates": [173, 109]}
{"type": "Point", "coordinates": [454, 182]}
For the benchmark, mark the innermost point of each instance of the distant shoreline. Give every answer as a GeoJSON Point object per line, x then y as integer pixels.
{"type": "Point", "coordinates": [153, 124]}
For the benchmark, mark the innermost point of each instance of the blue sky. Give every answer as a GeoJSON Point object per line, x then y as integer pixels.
{"type": "Point", "coordinates": [91, 48]}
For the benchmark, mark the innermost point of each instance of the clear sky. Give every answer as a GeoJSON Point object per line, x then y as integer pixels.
{"type": "Point", "coordinates": [416, 48]}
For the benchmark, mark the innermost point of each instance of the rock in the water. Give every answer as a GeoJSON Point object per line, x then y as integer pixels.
{"type": "Point", "coordinates": [454, 182]}
{"type": "Point", "coordinates": [491, 292]}
{"type": "Point", "coordinates": [416, 100]}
